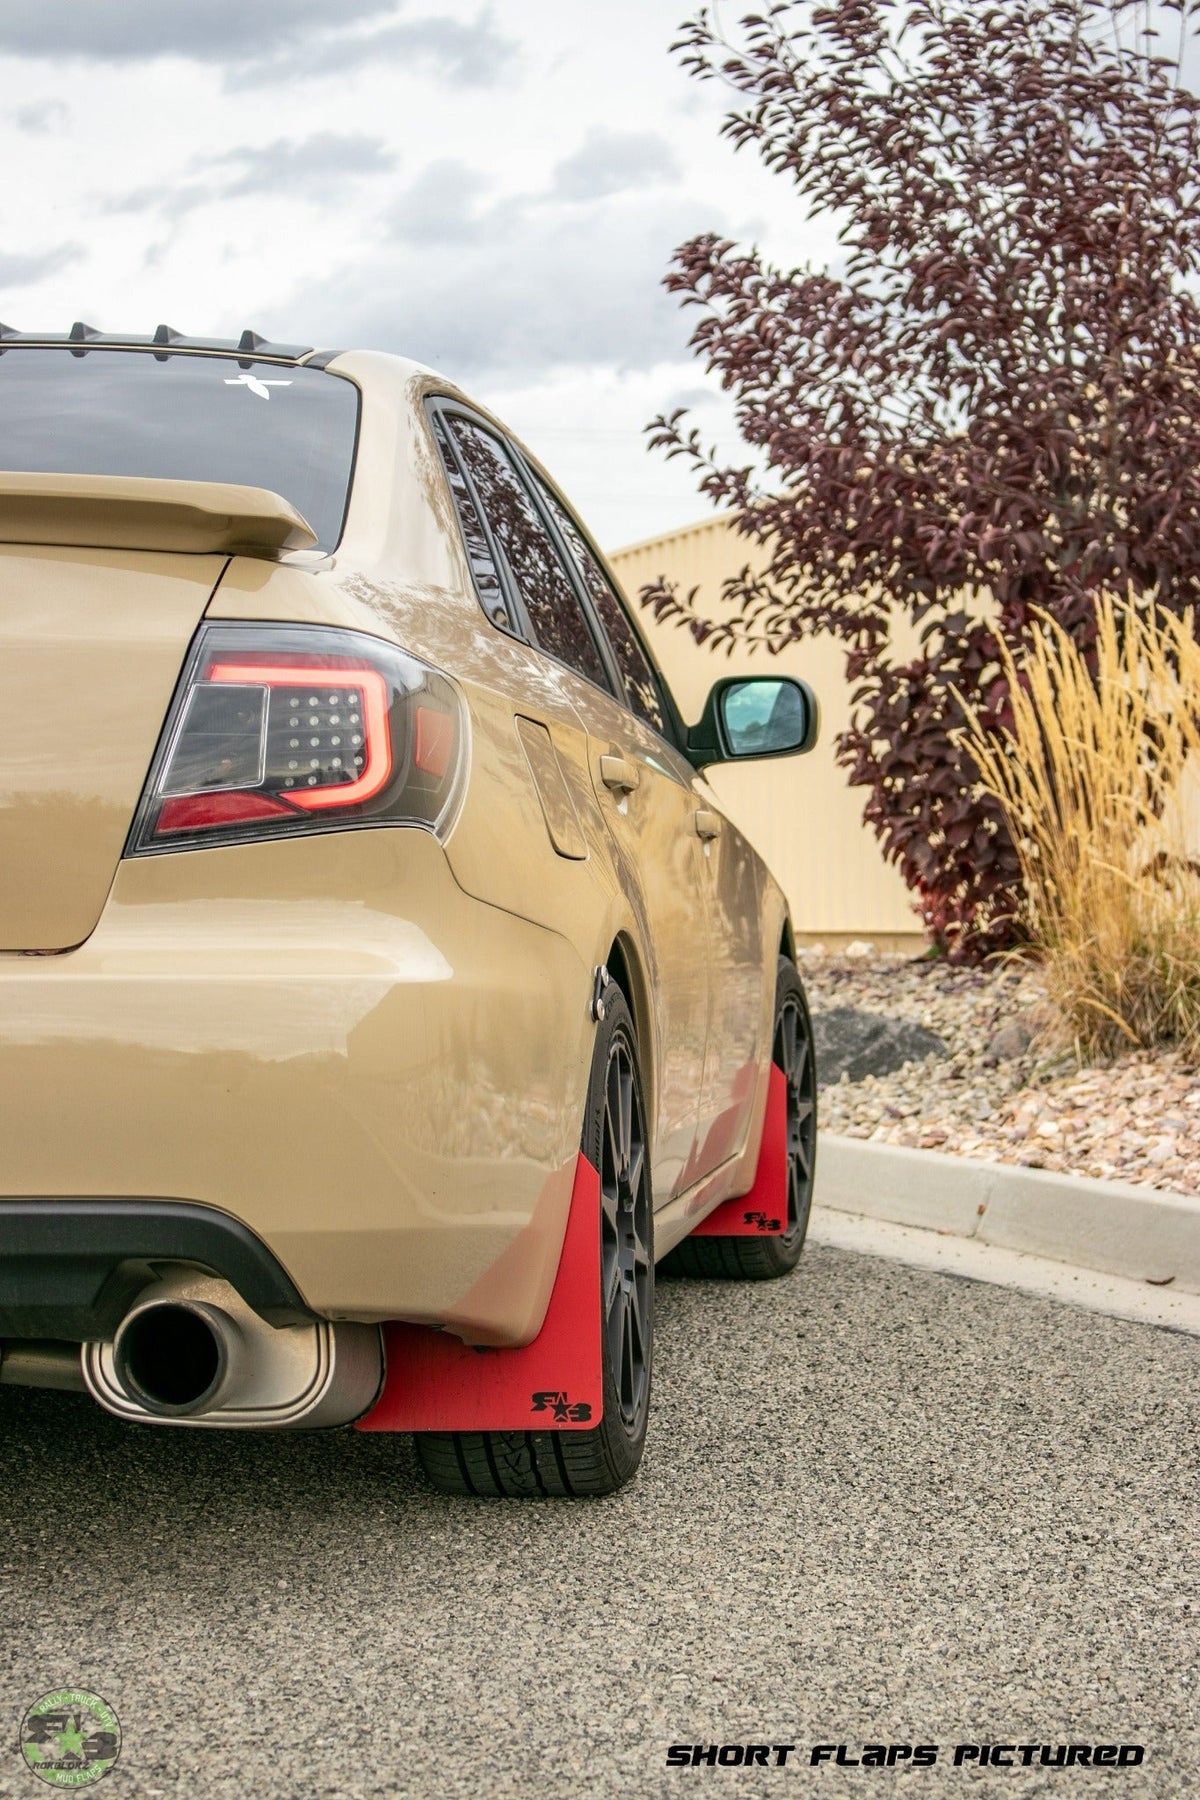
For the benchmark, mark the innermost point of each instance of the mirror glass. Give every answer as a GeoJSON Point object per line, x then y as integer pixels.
{"type": "Point", "coordinates": [764, 717]}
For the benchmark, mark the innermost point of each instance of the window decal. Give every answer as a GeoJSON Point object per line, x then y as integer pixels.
{"type": "Point", "coordinates": [256, 384]}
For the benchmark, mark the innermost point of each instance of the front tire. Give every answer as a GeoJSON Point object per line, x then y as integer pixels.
{"type": "Point", "coordinates": [537, 1464]}
{"type": "Point", "coordinates": [766, 1258]}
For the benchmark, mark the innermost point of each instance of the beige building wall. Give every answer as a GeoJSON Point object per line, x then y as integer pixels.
{"type": "Point", "coordinates": [799, 812]}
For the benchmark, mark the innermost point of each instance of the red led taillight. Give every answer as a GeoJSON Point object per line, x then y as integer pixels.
{"type": "Point", "coordinates": [435, 741]}
{"type": "Point", "coordinates": [278, 729]}
{"type": "Point", "coordinates": [367, 748]}
{"type": "Point", "coordinates": [194, 812]}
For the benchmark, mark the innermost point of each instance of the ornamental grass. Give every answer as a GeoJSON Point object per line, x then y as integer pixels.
{"type": "Point", "coordinates": [1099, 780]}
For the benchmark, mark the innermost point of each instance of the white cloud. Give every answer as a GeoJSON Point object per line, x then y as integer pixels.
{"type": "Point", "coordinates": [321, 164]}
{"type": "Point", "coordinates": [255, 40]}
{"type": "Point", "coordinates": [24, 269]}
{"type": "Point", "coordinates": [315, 169]}
{"type": "Point", "coordinates": [442, 206]}
{"type": "Point", "coordinates": [132, 31]}
{"type": "Point", "coordinates": [495, 189]}
{"type": "Point", "coordinates": [42, 116]}
{"type": "Point", "coordinates": [498, 288]}
{"type": "Point", "coordinates": [612, 162]}
{"type": "Point", "coordinates": [472, 53]}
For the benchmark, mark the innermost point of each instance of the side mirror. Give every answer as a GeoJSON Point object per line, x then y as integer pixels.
{"type": "Point", "coordinates": [752, 716]}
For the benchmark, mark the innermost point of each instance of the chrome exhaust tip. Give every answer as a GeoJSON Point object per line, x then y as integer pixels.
{"type": "Point", "coordinates": [176, 1357]}
{"type": "Point", "coordinates": [192, 1352]}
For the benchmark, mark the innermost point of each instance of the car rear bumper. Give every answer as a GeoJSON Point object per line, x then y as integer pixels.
{"type": "Point", "coordinates": [379, 1077]}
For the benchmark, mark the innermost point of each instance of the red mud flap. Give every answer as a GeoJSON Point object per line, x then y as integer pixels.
{"type": "Point", "coordinates": [763, 1211]}
{"type": "Point", "coordinates": [435, 1382]}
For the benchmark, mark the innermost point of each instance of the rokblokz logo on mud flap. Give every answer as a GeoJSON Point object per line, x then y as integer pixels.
{"type": "Point", "coordinates": [70, 1738]}
{"type": "Point", "coordinates": [560, 1406]}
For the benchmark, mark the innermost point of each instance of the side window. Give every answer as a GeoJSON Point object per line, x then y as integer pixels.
{"type": "Point", "coordinates": [479, 552]}
{"type": "Point", "coordinates": [558, 620]}
{"type": "Point", "coordinates": [641, 689]}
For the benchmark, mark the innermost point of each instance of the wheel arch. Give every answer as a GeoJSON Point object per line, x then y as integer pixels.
{"type": "Point", "coordinates": [625, 965]}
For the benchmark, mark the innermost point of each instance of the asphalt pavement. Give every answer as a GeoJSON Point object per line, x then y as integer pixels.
{"type": "Point", "coordinates": [880, 1505]}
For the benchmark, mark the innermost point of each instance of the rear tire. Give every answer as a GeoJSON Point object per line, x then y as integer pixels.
{"type": "Point", "coordinates": [538, 1464]}
{"type": "Point", "coordinates": [766, 1258]}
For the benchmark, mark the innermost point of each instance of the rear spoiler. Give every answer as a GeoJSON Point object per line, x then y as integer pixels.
{"type": "Point", "coordinates": [135, 512]}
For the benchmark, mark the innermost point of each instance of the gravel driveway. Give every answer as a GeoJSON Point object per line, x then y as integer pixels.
{"type": "Point", "coordinates": [879, 1505]}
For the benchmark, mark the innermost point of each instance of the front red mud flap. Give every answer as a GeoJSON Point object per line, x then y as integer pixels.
{"type": "Point", "coordinates": [763, 1211]}
{"type": "Point", "coordinates": [435, 1382]}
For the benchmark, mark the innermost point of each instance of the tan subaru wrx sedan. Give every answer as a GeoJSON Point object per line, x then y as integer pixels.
{"type": "Point", "coordinates": [382, 988]}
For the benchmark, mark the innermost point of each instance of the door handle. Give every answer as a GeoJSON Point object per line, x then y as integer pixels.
{"type": "Point", "coordinates": [618, 774]}
{"type": "Point", "coordinates": [708, 824]}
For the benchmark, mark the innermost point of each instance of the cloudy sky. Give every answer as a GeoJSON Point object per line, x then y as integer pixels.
{"type": "Point", "coordinates": [493, 189]}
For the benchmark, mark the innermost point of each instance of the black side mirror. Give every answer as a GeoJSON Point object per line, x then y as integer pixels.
{"type": "Point", "coordinates": [751, 716]}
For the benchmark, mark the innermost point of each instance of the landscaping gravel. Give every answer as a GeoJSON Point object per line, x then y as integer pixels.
{"type": "Point", "coordinates": [1005, 1092]}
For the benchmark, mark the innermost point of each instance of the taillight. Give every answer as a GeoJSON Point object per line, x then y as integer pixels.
{"type": "Point", "coordinates": [279, 729]}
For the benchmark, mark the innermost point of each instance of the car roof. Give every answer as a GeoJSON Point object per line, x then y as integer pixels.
{"type": "Point", "coordinates": [403, 379]}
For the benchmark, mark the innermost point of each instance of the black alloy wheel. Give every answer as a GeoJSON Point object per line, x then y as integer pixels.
{"type": "Point", "coordinates": [793, 1053]}
{"type": "Point", "coordinates": [538, 1464]}
{"type": "Point", "coordinates": [626, 1267]}
{"type": "Point", "coordinates": [765, 1258]}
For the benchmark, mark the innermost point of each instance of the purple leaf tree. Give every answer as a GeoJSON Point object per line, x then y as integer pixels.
{"type": "Point", "coordinates": [990, 403]}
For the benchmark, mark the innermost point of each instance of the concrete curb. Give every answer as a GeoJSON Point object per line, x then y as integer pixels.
{"type": "Point", "coordinates": [1138, 1232]}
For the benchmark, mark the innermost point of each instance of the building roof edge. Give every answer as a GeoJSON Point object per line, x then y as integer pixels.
{"type": "Point", "coordinates": [679, 531]}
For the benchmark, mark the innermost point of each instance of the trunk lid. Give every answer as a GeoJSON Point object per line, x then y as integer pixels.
{"type": "Point", "coordinates": [91, 646]}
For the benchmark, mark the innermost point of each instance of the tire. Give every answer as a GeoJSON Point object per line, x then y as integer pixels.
{"type": "Point", "coordinates": [536, 1464]}
{"type": "Point", "coordinates": [766, 1258]}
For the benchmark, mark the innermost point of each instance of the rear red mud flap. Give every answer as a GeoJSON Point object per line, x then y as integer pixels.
{"type": "Point", "coordinates": [435, 1382]}
{"type": "Point", "coordinates": [763, 1211]}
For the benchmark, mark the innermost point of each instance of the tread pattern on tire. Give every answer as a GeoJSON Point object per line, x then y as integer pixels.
{"type": "Point", "coordinates": [724, 1259]}
{"type": "Point", "coordinates": [515, 1464]}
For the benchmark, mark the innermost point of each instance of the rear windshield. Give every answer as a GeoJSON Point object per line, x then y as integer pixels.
{"type": "Point", "coordinates": [184, 418]}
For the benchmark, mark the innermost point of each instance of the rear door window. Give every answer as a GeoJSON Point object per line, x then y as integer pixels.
{"type": "Point", "coordinates": [181, 417]}
{"type": "Point", "coordinates": [641, 688]}
{"type": "Point", "coordinates": [555, 612]}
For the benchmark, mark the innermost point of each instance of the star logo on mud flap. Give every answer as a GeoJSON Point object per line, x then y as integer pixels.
{"type": "Point", "coordinates": [559, 1405]}
{"type": "Point", "coordinates": [760, 1221]}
